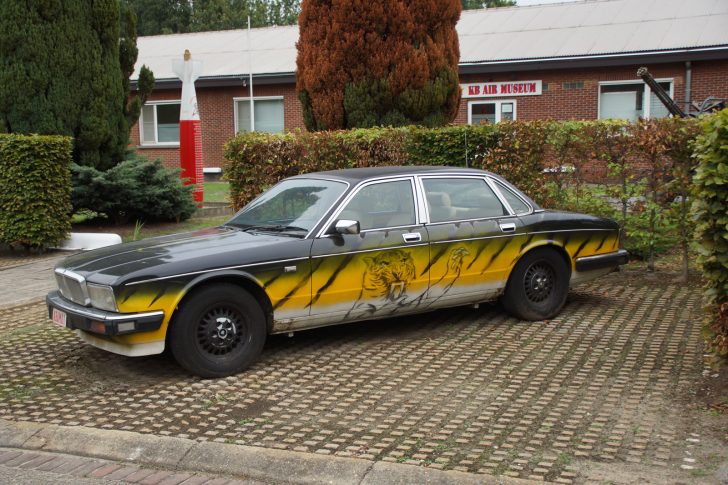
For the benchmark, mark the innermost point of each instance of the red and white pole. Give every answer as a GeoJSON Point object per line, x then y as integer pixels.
{"type": "Point", "coordinates": [190, 138]}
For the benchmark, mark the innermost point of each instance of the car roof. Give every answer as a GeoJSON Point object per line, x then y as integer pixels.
{"type": "Point", "coordinates": [356, 175]}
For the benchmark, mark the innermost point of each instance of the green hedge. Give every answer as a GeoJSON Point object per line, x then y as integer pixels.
{"type": "Point", "coordinates": [711, 210]}
{"type": "Point", "coordinates": [35, 190]}
{"type": "Point", "coordinates": [258, 160]}
{"type": "Point", "coordinates": [608, 168]}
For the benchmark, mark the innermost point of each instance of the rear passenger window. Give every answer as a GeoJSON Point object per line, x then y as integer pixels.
{"type": "Point", "coordinates": [516, 203]}
{"type": "Point", "coordinates": [457, 199]}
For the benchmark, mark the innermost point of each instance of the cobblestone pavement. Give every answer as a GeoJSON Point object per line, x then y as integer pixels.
{"type": "Point", "coordinates": [464, 389]}
{"type": "Point", "coordinates": [39, 467]}
{"type": "Point", "coordinates": [10, 259]}
{"type": "Point", "coordinates": [27, 277]}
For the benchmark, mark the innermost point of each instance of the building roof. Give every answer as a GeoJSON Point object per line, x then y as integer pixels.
{"type": "Point", "coordinates": [223, 53]}
{"type": "Point", "coordinates": [488, 37]}
{"type": "Point", "coordinates": [591, 28]}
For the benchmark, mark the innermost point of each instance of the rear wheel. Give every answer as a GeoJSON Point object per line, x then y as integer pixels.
{"type": "Point", "coordinates": [220, 330]}
{"type": "Point", "coordinates": [538, 286]}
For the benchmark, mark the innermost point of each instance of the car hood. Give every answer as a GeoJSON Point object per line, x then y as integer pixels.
{"type": "Point", "coordinates": [203, 250]}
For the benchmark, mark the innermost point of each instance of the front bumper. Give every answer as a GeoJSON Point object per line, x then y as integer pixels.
{"type": "Point", "coordinates": [602, 261]}
{"type": "Point", "coordinates": [101, 322]}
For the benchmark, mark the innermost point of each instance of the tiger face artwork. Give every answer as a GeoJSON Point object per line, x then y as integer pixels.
{"type": "Point", "coordinates": [387, 275]}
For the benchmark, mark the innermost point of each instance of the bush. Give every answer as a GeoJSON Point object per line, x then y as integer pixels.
{"type": "Point", "coordinates": [35, 190]}
{"type": "Point", "coordinates": [711, 211]}
{"type": "Point", "coordinates": [132, 190]}
{"type": "Point", "coordinates": [257, 160]}
{"type": "Point", "coordinates": [633, 173]}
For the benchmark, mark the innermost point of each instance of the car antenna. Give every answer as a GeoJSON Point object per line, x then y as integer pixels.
{"type": "Point", "coordinates": [466, 147]}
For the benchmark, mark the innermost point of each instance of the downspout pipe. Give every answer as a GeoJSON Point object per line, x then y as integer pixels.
{"type": "Point", "coordinates": [688, 85]}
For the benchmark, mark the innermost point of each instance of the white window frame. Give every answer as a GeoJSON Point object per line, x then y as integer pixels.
{"type": "Point", "coordinates": [645, 96]}
{"type": "Point", "coordinates": [155, 143]}
{"type": "Point", "coordinates": [252, 114]}
{"type": "Point", "coordinates": [498, 103]}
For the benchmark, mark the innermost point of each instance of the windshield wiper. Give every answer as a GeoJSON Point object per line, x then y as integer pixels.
{"type": "Point", "coordinates": [272, 228]}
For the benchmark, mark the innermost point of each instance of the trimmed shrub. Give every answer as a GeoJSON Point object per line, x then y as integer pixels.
{"type": "Point", "coordinates": [258, 160]}
{"type": "Point", "coordinates": [711, 211]}
{"type": "Point", "coordinates": [132, 190]}
{"type": "Point", "coordinates": [35, 190]}
{"type": "Point", "coordinates": [634, 173]}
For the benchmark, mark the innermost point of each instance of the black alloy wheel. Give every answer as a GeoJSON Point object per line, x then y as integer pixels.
{"type": "Point", "coordinates": [218, 331]}
{"type": "Point", "coordinates": [538, 285]}
{"type": "Point", "coordinates": [538, 282]}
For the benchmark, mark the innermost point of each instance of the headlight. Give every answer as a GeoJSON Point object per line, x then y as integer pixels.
{"type": "Point", "coordinates": [102, 297]}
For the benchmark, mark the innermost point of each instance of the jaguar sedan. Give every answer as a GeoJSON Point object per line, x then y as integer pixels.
{"type": "Point", "coordinates": [328, 248]}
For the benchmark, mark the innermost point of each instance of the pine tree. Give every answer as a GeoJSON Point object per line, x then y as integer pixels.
{"type": "Point", "coordinates": [392, 62]}
{"type": "Point", "coordinates": [161, 16]}
{"type": "Point", "coordinates": [128, 54]}
{"type": "Point", "coordinates": [60, 73]}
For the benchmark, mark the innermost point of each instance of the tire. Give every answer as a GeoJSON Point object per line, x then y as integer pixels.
{"type": "Point", "coordinates": [219, 331]}
{"type": "Point", "coordinates": [538, 286]}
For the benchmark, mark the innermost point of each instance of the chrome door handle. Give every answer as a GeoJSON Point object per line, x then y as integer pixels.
{"type": "Point", "coordinates": [412, 237]}
{"type": "Point", "coordinates": [507, 226]}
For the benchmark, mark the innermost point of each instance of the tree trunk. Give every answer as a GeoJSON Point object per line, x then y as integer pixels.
{"type": "Point", "coordinates": [684, 238]}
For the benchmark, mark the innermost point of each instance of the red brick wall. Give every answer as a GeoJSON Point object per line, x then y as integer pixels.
{"type": "Point", "coordinates": [709, 78]}
{"type": "Point", "coordinates": [217, 115]}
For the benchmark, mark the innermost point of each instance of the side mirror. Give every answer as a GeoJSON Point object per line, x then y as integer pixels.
{"type": "Point", "coordinates": [346, 226]}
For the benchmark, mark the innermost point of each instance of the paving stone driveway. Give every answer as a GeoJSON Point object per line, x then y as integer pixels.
{"type": "Point", "coordinates": [465, 389]}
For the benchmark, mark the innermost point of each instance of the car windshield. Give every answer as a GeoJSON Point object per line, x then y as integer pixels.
{"type": "Point", "coordinates": [293, 206]}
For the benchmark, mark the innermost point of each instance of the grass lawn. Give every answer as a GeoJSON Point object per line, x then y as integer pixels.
{"type": "Point", "coordinates": [217, 192]}
{"type": "Point", "coordinates": [152, 229]}
{"type": "Point", "coordinates": [163, 228]}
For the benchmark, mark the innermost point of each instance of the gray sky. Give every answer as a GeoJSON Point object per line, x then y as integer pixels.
{"type": "Point", "coordinates": [539, 2]}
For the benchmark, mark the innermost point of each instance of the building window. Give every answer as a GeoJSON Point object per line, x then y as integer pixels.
{"type": "Point", "coordinates": [572, 86]}
{"type": "Point", "coordinates": [480, 112]}
{"type": "Point", "coordinates": [268, 114]}
{"type": "Point", "coordinates": [159, 123]}
{"type": "Point", "coordinates": [631, 100]}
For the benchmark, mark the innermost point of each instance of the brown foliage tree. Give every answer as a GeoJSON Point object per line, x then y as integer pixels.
{"type": "Point", "coordinates": [390, 62]}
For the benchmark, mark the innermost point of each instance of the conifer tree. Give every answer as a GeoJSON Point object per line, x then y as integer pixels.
{"type": "Point", "coordinates": [391, 62]}
{"type": "Point", "coordinates": [60, 73]}
{"type": "Point", "coordinates": [128, 54]}
{"type": "Point", "coordinates": [161, 16]}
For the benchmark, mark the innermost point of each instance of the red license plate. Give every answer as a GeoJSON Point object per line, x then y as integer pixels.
{"type": "Point", "coordinates": [59, 317]}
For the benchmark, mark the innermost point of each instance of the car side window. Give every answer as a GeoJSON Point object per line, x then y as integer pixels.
{"type": "Point", "coordinates": [380, 205]}
{"type": "Point", "coordinates": [516, 203]}
{"type": "Point", "coordinates": [457, 199]}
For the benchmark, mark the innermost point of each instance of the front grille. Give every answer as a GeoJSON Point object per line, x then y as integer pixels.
{"type": "Point", "coordinates": [71, 288]}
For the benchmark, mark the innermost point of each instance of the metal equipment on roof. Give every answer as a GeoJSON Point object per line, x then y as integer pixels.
{"type": "Point", "coordinates": [709, 105]}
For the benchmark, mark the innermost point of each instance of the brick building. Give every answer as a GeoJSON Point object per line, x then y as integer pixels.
{"type": "Point", "coordinates": [560, 61]}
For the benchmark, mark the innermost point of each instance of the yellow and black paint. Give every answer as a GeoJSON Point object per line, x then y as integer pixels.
{"type": "Point", "coordinates": [364, 281]}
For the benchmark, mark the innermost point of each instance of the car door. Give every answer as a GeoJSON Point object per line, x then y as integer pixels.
{"type": "Point", "coordinates": [382, 270]}
{"type": "Point", "coordinates": [471, 231]}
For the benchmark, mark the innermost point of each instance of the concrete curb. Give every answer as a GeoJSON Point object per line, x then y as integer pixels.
{"type": "Point", "coordinates": [273, 466]}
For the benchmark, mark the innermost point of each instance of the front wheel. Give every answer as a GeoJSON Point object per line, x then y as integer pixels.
{"type": "Point", "coordinates": [538, 286]}
{"type": "Point", "coordinates": [220, 330]}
